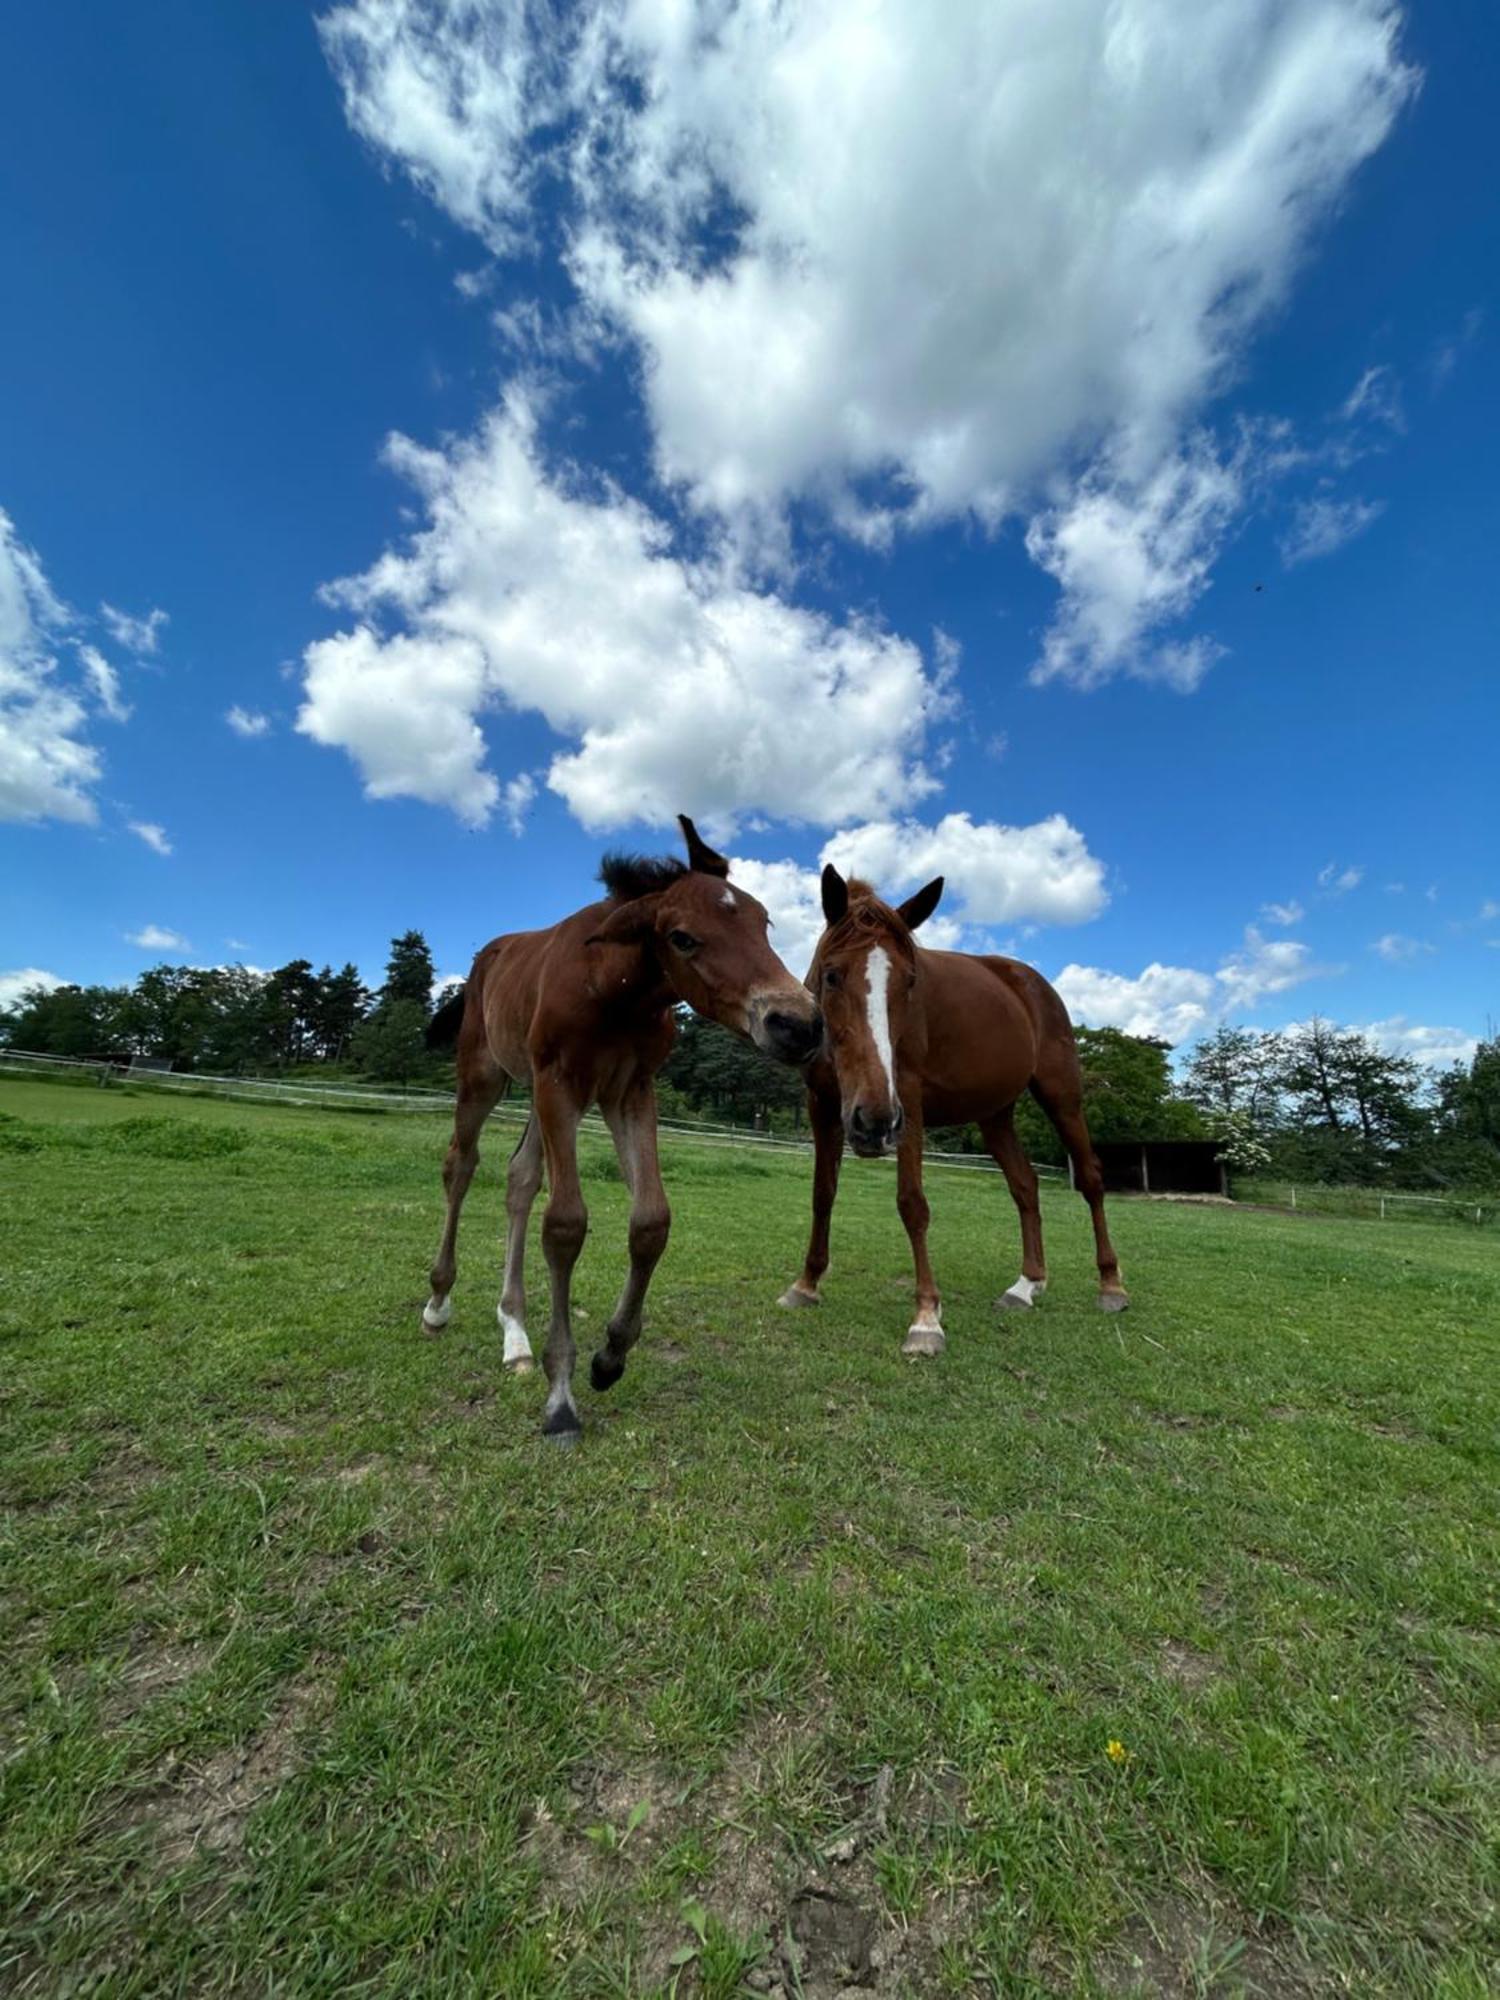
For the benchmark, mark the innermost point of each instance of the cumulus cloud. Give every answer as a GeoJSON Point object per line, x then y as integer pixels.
{"type": "Point", "coordinates": [678, 687]}
{"type": "Point", "coordinates": [25, 979]}
{"type": "Point", "coordinates": [1175, 1002]}
{"type": "Point", "coordinates": [1321, 525]}
{"type": "Point", "coordinates": [136, 635]}
{"type": "Point", "coordinates": [917, 263]}
{"type": "Point", "coordinates": [154, 836]}
{"type": "Point", "coordinates": [1284, 914]}
{"type": "Point", "coordinates": [1436, 1046]}
{"type": "Point", "coordinates": [995, 874]}
{"type": "Point", "coordinates": [47, 770]}
{"type": "Point", "coordinates": [156, 937]}
{"type": "Point", "coordinates": [247, 721]}
{"type": "Point", "coordinates": [1171, 1002]}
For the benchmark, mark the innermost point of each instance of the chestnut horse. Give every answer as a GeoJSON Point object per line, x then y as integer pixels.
{"type": "Point", "coordinates": [915, 1037]}
{"type": "Point", "coordinates": [584, 1011]}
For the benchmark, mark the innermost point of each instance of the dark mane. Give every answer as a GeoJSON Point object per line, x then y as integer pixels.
{"type": "Point", "coordinates": [627, 876]}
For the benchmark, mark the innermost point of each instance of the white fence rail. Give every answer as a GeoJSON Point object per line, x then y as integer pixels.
{"type": "Point", "coordinates": [1384, 1205]}
{"type": "Point", "coordinates": [277, 1090]}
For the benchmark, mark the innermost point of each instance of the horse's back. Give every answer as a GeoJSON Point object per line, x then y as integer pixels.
{"type": "Point", "coordinates": [992, 1024]}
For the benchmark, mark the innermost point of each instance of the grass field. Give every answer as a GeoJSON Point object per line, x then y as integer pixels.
{"type": "Point", "coordinates": [322, 1674]}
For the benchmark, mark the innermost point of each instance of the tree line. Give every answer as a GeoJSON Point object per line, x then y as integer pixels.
{"type": "Point", "coordinates": [1312, 1103]}
{"type": "Point", "coordinates": [232, 1020]}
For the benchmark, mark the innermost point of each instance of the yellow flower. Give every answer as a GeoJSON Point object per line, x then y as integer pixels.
{"type": "Point", "coordinates": [1116, 1752]}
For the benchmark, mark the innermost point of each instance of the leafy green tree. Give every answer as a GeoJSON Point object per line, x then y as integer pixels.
{"type": "Point", "coordinates": [409, 972]}
{"type": "Point", "coordinates": [81, 1021]}
{"type": "Point", "coordinates": [1236, 1070]}
{"type": "Point", "coordinates": [389, 1046]}
{"type": "Point", "coordinates": [339, 1004]}
{"type": "Point", "coordinates": [714, 1071]}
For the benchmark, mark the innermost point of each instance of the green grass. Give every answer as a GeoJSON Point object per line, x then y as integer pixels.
{"type": "Point", "coordinates": [320, 1673]}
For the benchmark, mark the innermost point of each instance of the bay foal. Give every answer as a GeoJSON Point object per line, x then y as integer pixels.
{"type": "Point", "coordinates": [584, 1012]}
{"type": "Point", "coordinates": [916, 1038]}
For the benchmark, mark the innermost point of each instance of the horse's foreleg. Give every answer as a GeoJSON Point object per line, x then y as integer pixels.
{"type": "Point", "coordinates": [477, 1098]}
{"type": "Point", "coordinates": [827, 1123]}
{"type": "Point", "coordinates": [522, 1179]}
{"type": "Point", "coordinates": [1065, 1109]}
{"type": "Point", "coordinates": [925, 1334]}
{"type": "Point", "coordinates": [1010, 1156]}
{"type": "Point", "coordinates": [632, 1124]}
{"type": "Point", "coordinates": [565, 1224]}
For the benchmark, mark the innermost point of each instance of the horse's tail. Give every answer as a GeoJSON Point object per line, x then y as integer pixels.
{"type": "Point", "coordinates": [442, 1029]}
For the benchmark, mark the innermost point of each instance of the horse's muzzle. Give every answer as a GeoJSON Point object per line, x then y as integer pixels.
{"type": "Point", "coordinates": [872, 1134]}
{"type": "Point", "coordinates": [791, 1038]}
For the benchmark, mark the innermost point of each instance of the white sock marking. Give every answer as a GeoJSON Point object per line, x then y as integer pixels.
{"type": "Point", "coordinates": [1027, 1290]}
{"type": "Point", "coordinates": [437, 1312]}
{"type": "Point", "coordinates": [517, 1346]}
{"type": "Point", "coordinates": [878, 972]}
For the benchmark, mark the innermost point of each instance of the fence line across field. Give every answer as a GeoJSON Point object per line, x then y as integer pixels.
{"type": "Point", "coordinates": [370, 1097]}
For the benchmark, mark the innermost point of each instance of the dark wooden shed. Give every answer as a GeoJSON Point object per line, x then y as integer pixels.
{"type": "Point", "coordinates": [1162, 1166]}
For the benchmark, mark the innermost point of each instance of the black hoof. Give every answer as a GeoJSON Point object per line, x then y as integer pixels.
{"type": "Point", "coordinates": [562, 1426]}
{"type": "Point", "coordinates": [606, 1369]}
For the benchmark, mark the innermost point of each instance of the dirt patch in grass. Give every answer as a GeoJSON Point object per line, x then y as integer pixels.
{"type": "Point", "coordinates": [1181, 1946]}
{"type": "Point", "coordinates": [1187, 1666]}
{"type": "Point", "coordinates": [157, 1667]}
{"type": "Point", "coordinates": [202, 1807]}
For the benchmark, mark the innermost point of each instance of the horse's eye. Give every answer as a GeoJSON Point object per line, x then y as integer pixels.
{"type": "Point", "coordinates": [832, 978]}
{"type": "Point", "coordinates": [683, 941]}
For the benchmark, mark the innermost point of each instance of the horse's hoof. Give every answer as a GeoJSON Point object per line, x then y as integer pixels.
{"type": "Point", "coordinates": [605, 1369]}
{"type": "Point", "coordinates": [924, 1341]}
{"type": "Point", "coordinates": [522, 1365]}
{"type": "Point", "coordinates": [1113, 1302]}
{"type": "Point", "coordinates": [561, 1426]}
{"type": "Point", "coordinates": [435, 1317]}
{"type": "Point", "coordinates": [1013, 1302]}
{"type": "Point", "coordinates": [566, 1438]}
{"type": "Point", "coordinates": [792, 1298]}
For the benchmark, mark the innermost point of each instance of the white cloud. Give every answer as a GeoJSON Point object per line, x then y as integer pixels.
{"type": "Point", "coordinates": [1376, 399]}
{"type": "Point", "coordinates": [916, 262]}
{"type": "Point", "coordinates": [681, 688]}
{"type": "Point", "coordinates": [105, 683]}
{"type": "Point", "coordinates": [1337, 881]}
{"type": "Point", "coordinates": [517, 800]}
{"type": "Point", "coordinates": [1437, 1046]}
{"type": "Point", "coordinates": [1264, 965]}
{"type": "Point", "coordinates": [154, 836]}
{"type": "Point", "coordinates": [1284, 914]}
{"type": "Point", "coordinates": [995, 874]}
{"type": "Point", "coordinates": [137, 635]}
{"type": "Point", "coordinates": [247, 721]}
{"type": "Point", "coordinates": [24, 980]}
{"type": "Point", "coordinates": [1398, 950]}
{"type": "Point", "coordinates": [1175, 1001]}
{"type": "Point", "coordinates": [46, 769]}
{"type": "Point", "coordinates": [155, 937]}
{"type": "Point", "coordinates": [1321, 525]}
{"type": "Point", "coordinates": [1130, 557]}
{"type": "Point", "coordinates": [1168, 1001]}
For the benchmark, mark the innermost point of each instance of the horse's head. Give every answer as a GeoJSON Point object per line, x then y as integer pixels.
{"type": "Point", "coordinates": [710, 939]}
{"type": "Point", "coordinates": [866, 975]}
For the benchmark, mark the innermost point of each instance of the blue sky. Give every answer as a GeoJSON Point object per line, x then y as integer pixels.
{"type": "Point", "coordinates": [1056, 451]}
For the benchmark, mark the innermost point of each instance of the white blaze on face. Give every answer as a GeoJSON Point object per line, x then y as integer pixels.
{"type": "Point", "coordinates": [878, 1010]}
{"type": "Point", "coordinates": [727, 899]}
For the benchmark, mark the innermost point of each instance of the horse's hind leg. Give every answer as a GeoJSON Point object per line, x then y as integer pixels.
{"type": "Point", "coordinates": [1062, 1100]}
{"type": "Point", "coordinates": [1010, 1156]}
{"type": "Point", "coordinates": [477, 1098]}
{"type": "Point", "coordinates": [557, 1109]}
{"type": "Point", "coordinates": [522, 1179]}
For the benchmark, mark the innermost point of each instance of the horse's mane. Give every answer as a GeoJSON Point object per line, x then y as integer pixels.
{"type": "Point", "coordinates": [627, 876]}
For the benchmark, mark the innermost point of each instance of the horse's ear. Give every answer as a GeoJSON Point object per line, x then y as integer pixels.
{"type": "Point", "coordinates": [701, 857]}
{"type": "Point", "coordinates": [917, 909]}
{"type": "Point", "coordinates": [628, 923]}
{"type": "Point", "coordinates": [835, 896]}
